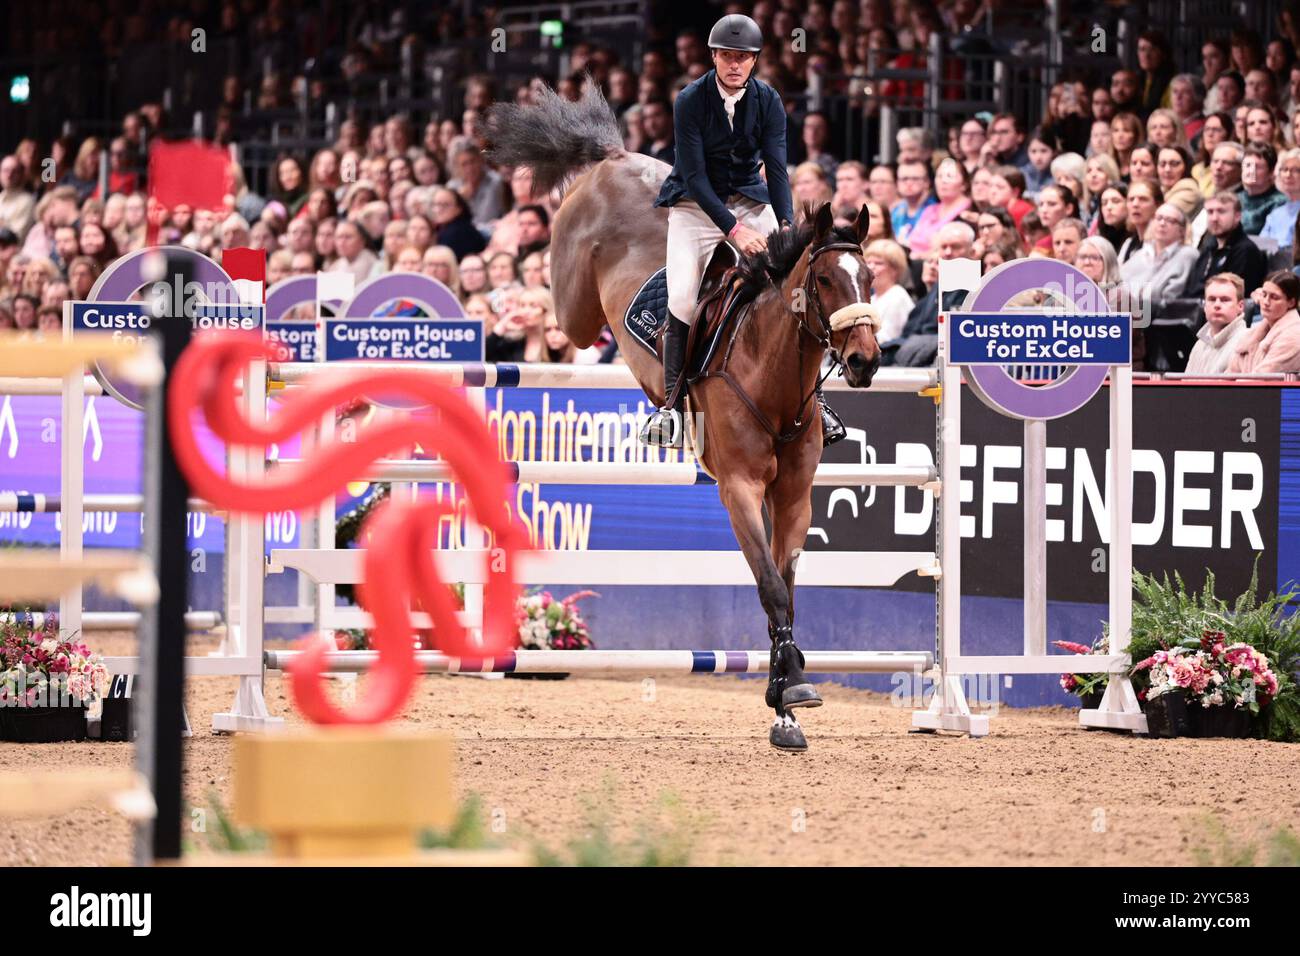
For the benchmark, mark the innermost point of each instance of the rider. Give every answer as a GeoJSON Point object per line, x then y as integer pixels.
{"type": "Point", "coordinates": [725, 122]}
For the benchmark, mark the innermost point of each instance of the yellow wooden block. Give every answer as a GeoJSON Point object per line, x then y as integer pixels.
{"type": "Point", "coordinates": [338, 792]}
{"type": "Point", "coordinates": [27, 357]}
{"type": "Point", "coordinates": [49, 793]}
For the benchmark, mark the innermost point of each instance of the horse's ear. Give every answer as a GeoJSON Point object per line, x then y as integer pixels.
{"type": "Point", "coordinates": [825, 219]}
{"type": "Point", "coordinates": [863, 223]}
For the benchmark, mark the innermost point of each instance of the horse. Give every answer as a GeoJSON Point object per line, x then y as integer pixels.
{"type": "Point", "coordinates": [808, 292]}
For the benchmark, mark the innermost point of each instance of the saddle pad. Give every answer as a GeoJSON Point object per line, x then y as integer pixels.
{"type": "Point", "coordinates": [649, 311]}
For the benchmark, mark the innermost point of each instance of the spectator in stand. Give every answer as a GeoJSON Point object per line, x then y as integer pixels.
{"type": "Point", "coordinates": [1066, 236]}
{"type": "Point", "coordinates": [66, 248]}
{"type": "Point", "coordinates": [1124, 91]}
{"type": "Point", "coordinates": [534, 228]}
{"type": "Point", "coordinates": [502, 271]}
{"type": "Point", "coordinates": [531, 270]}
{"type": "Point", "coordinates": [451, 216]}
{"type": "Point", "coordinates": [56, 208]}
{"type": "Point", "coordinates": [1263, 126]}
{"type": "Point", "coordinates": [917, 346]}
{"type": "Point", "coordinates": [1272, 343]}
{"type": "Point", "coordinates": [850, 188]}
{"type": "Point", "coordinates": [439, 263]}
{"type": "Point", "coordinates": [1260, 196]}
{"type": "Point", "coordinates": [816, 135]}
{"type": "Point", "coordinates": [1098, 173]}
{"type": "Point", "coordinates": [1067, 170]}
{"type": "Point", "coordinates": [952, 194]}
{"type": "Point", "coordinates": [1165, 129]}
{"type": "Point", "coordinates": [915, 145]}
{"type": "Point", "coordinates": [1173, 172]}
{"type": "Point", "coordinates": [17, 204]}
{"type": "Point", "coordinates": [1144, 198]}
{"type": "Point", "coordinates": [1227, 248]}
{"type": "Point", "coordinates": [1006, 141]}
{"type": "Point", "coordinates": [657, 123]}
{"type": "Point", "coordinates": [99, 245]}
{"type": "Point", "coordinates": [479, 308]}
{"type": "Point", "coordinates": [914, 198]}
{"type": "Point", "coordinates": [970, 143]}
{"type": "Point", "coordinates": [394, 242]}
{"type": "Point", "coordinates": [481, 188]}
{"type": "Point", "coordinates": [122, 177]}
{"type": "Point", "coordinates": [1280, 224]}
{"type": "Point", "coordinates": [1156, 69]}
{"type": "Point", "coordinates": [1261, 86]}
{"type": "Point", "coordinates": [1038, 171]}
{"type": "Point", "coordinates": [995, 227]}
{"type": "Point", "coordinates": [518, 333]}
{"type": "Point", "coordinates": [279, 266]}
{"type": "Point", "coordinates": [1125, 133]}
{"type": "Point", "coordinates": [887, 261]}
{"type": "Point", "coordinates": [809, 187]}
{"type": "Point", "coordinates": [1215, 59]}
{"type": "Point", "coordinates": [882, 183]}
{"type": "Point", "coordinates": [1142, 163]}
{"type": "Point", "coordinates": [1099, 139]}
{"type": "Point", "coordinates": [1225, 176]}
{"type": "Point", "coordinates": [1054, 204]}
{"type": "Point", "coordinates": [419, 233]}
{"type": "Point", "coordinates": [83, 271]}
{"type": "Point", "coordinates": [1231, 89]}
{"type": "Point", "coordinates": [1159, 270]}
{"type": "Point", "coordinates": [25, 306]}
{"type": "Point", "coordinates": [1103, 107]}
{"type": "Point", "coordinates": [473, 276]}
{"type": "Point", "coordinates": [354, 257]}
{"type": "Point", "coordinates": [84, 177]}
{"type": "Point", "coordinates": [1187, 100]}
{"type": "Point", "coordinates": [1006, 189]}
{"type": "Point", "coordinates": [1225, 324]}
{"type": "Point", "coordinates": [1097, 260]}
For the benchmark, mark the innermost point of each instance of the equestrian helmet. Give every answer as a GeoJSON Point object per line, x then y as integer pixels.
{"type": "Point", "coordinates": [736, 31]}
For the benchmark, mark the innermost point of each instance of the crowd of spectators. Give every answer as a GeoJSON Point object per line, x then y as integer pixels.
{"type": "Point", "coordinates": [1178, 192]}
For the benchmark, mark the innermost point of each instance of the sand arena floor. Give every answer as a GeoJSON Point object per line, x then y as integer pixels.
{"type": "Point", "coordinates": [688, 757]}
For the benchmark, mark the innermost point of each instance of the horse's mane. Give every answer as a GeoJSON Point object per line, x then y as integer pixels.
{"type": "Point", "coordinates": [784, 247]}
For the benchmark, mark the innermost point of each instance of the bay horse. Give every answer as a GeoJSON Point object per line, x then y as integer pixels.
{"type": "Point", "coordinates": [810, 291]}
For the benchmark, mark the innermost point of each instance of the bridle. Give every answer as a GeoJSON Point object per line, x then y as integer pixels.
{"type": "Point", "coordinates": [842, 319]}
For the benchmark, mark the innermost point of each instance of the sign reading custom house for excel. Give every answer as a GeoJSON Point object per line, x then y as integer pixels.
{"type": "Point", "coordinates": [1035, 338]}
{"type": "Point", "coordinates": [427, 340]}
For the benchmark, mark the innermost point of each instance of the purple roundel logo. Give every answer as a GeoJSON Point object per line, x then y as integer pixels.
{"type": "Point", "coordinates": [991, 383]}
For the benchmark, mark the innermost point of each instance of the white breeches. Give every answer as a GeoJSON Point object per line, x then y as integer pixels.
{"type": "Point", "coordinates": [692, 237]}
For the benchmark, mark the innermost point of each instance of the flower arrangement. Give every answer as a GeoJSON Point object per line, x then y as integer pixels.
{"type": "Point", "coordinates": [1214, 675]}
{"type": "Point", "coordinates": [547, 624]}
{"type": "Point", "coordinates": [1085, 685]}
{"type": "Point", "coordinates": [37, 667]}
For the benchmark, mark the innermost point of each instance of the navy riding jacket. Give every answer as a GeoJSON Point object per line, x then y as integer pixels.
{"type": "Point", "coordinates": [714, 161]}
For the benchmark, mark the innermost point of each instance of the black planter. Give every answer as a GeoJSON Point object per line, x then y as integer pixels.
{"type": "Point", "coordinates": [1091, 701]}
{"type": "Point", "coordinates": [42, 725]}
{"type": "Point", "coordinates": [536, 676]}
{"type": "Point", "coordinates": [1167, 716]}
{"type": "Point", "coordinates": [1221, 721]}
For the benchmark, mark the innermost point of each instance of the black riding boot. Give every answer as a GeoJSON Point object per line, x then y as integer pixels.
{"type": "Point", "coordinates": [665, 427]}
{"type": "Point", "coordinates": [832, 427]}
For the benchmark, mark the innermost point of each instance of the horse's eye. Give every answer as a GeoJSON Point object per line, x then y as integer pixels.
{"type": "Point", "coordinates": [824, 281]}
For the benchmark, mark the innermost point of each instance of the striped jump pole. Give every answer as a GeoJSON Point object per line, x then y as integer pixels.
{"type": "Point", "coordinates": [506, 375]}
{"type": "Point", "coordinates": [616, 473]}
{"type": "Point", "coordinates": [24, 503]}
{"type": "Point", "coordinates": [630, 662]}
{"type": "Point", "coordinates": [113, 620]}
{"type": "Point", "coordinates": [10, 385]}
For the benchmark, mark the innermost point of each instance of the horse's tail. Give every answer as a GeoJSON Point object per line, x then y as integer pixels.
{"type": "Point", "coordinates": [554, 137]}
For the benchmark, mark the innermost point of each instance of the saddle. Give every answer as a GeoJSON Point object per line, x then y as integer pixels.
{"type": "Point", "coordinates": [718, 304]}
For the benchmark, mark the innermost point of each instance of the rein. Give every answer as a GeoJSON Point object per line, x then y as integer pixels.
{"type": "Point", "coordinates": [848, 317]}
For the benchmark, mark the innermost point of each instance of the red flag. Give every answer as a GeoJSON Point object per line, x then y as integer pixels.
{"type": "Point", "coordinates": [246, 264]}
{"type": "Point", "coordinates": [191, 173]}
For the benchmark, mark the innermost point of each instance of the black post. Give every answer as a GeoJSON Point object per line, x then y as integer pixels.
{"type": "Point", "coordinates": [161, 683]}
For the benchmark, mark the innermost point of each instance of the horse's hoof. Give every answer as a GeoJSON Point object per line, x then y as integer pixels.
{"type": "Point", "coordinates": [800, 695]}
{"type": "Point", "coordinates": [787, 735]}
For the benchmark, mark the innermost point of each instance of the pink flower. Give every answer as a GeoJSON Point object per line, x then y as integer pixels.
{"type": "Point", "coordinates": [1072, 647]}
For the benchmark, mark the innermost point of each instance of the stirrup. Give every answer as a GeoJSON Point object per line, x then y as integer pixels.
{"type": "Point", "coordinates": [663, 428]}
{"type": "Point", "coordinates": [832, 427]}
